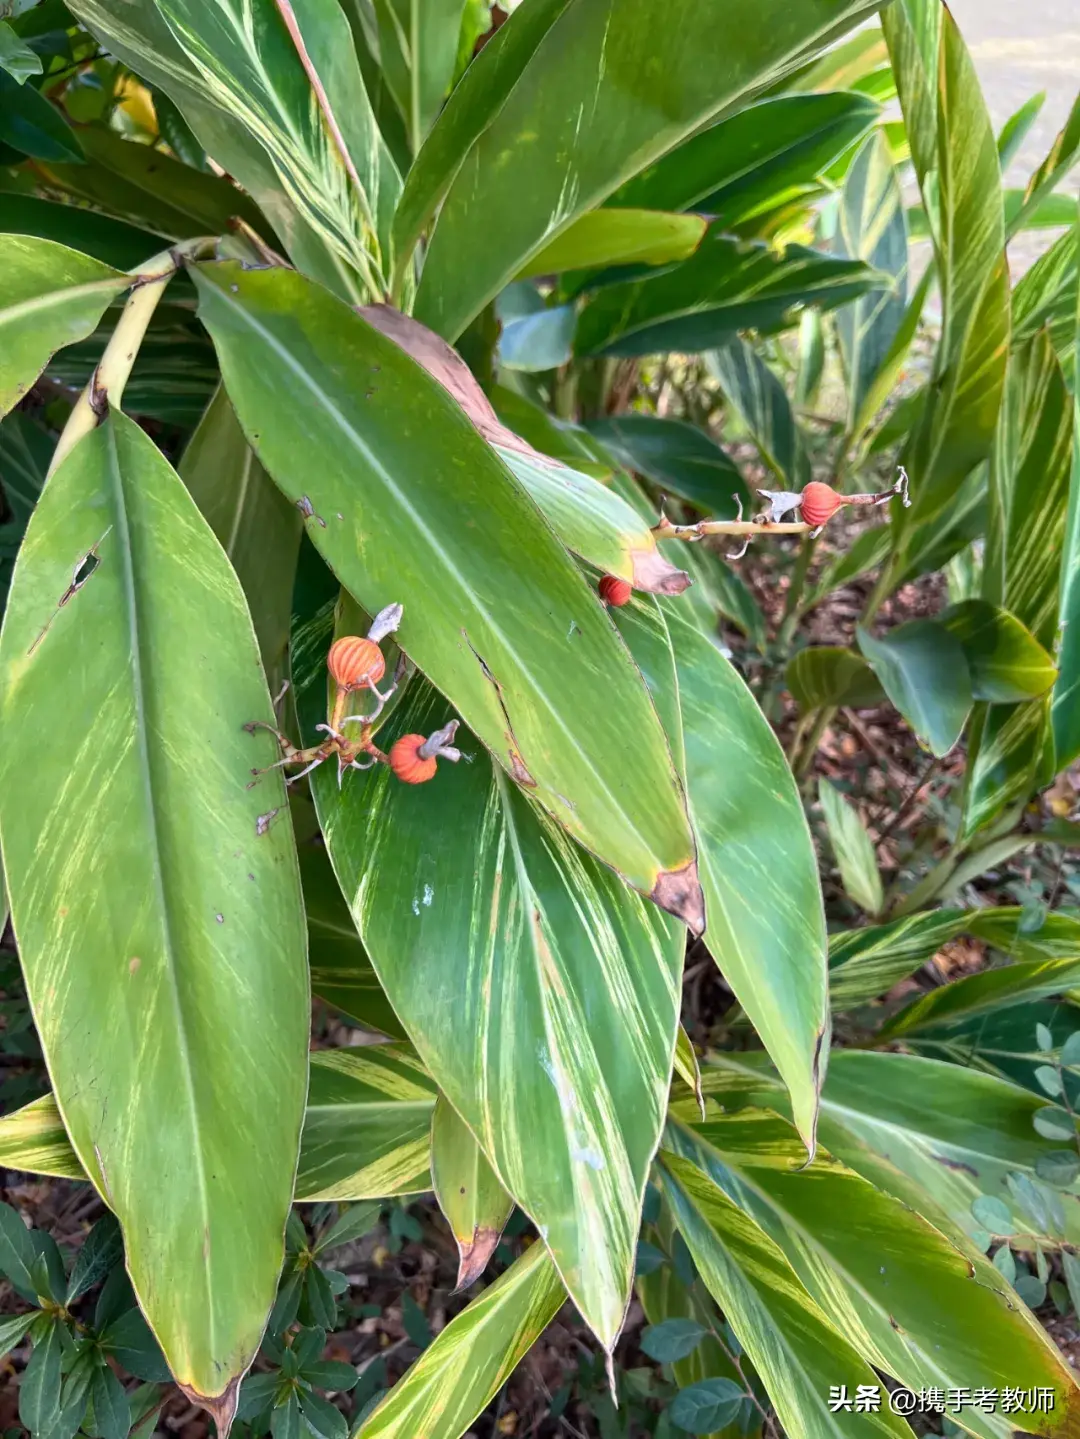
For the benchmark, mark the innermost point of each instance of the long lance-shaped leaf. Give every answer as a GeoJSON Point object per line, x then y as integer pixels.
{"type": "Point", "coordinates": [727, 285]}
{"type": "Point", "coordinates": [940, 96]}
{"type": "Point", "coordinates": [418, 42]}
{"type": "Point", "coordinates": [872, 228]}
{"type": "Point", "coordinates": [366, 1130]}
{"type": "Point", "coordinates": [755, 841]}
{"type": "Point", "coordinates": [1066, 704]}
{"type": "Point", "coordinates": [789, 1340]}
{"type": "Point", "coordinates": [912, 1302]}
{"type": "Point", "coordinates": [1062, 158]}
{"type": "Point", "coordinates": [494, 937]}
{"type": "Point", "coordinates": [52, 297]}
{"type": "Point", "coordinates": [589, 518]}
{"type": "Point", "coordinates": [934, 1135]}
{"type": "Point", "coordinates": [142, 792]}
{"type": "Point", "coordinates": [585, 115]}
{"type": "Point", "coordinates": [286, 70]}
{"type": "Point", "coordinates": [454, 1380]}
{"type": "Point", "coordinates": [475, 1204]}
{"type": "Point", "coordinates": [496, 615]}
{"type": "Point", "coordinates": [988, 990]}
{"type": "Point", "coordinates": [137, 34]}
{"type": "Point", "coordinates": [761, 401]}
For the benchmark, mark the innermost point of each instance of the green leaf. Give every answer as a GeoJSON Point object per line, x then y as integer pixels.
{"type": "Point", "coordinates": [152, 734]}
{"type": "Point", "coordinates": [16, 57]}
{"type": "Point", "coordinates": [1066, 708]}
{"type": "Point", "coordinates": [672, 1340]}
{"type": "Point", "coordinates": [474, 880]}
{"type": "Point", "coordinates": [750, 822]}
{"type": "Point", "coordinates": [792, 1345]}
{"type": "Point", "coordinates": [341, 972]}
{"type": "Point", "coordinates": [1016, 128]}
{"type": "Point", "coordinates": [52, 297]}
{"type": "Point", "coordinates": [102, 1248]}
{"type": "Point", "coordinates": [727, 285]}
{"type": "Point", "coordinates": [705, 1406]}
{"type": "Point", "coordinates": [442, 1394]}
{"type": "Point", "coordinates": [1055, 1124]}
{"type": "Point", "coordinates": [871, 228]}
{"type": "Point", "coordinates": [39, 1390]}
{"type": "Point", "coordinates": [1046, 293]}
{"type": "Point", "coordinates": [854, 850]}
{"type": "Point", "coordinates": [676, 457]}
{"type": "Point", "coordinates": [904, 1295]}
{"type": "Point", "coordinates": [418, 44]}
{"type": "Point", "coordinates": [321, 1417]}
{"type": "Point", "coordinates": [1008, 759]}
{"type": "Point", "coordinates": [13, 1328]}
{"type": "Point", "coordinates": [112, 1412]}
{"type": "Point", "coordinates": [561, 168]}
{"type": "Point", "coordinates": [469, 539]}
{"type": "Point", "coordinates": [831, 675]}
{"type": "Point", "coordinates": [956, 160]}
{"type": "Point", "coordinates": [475, 1204]}
{"type": "Point", "coordinates": [865, 963]}
{"type": "Point", "coordinates": [31, 125]}
{"type": "Point", "coordinates": [761, 401]}
{"type": "Point", "coordinates": [988, 990]}
{"type": "Point", "coordinates": [923, 670]}
{"type": "Point", "coordinates": [33, 1138]}
{"type": "Point", "coordinates": [934, 1135]}
{"type": "Point", "coordinates": [367, 1132]}
{"type": "Point", "coordinates": [17, 1253]}
{"type": "Point", "coordinates": [619, 237]}
{"type": "Point", "coordinates": [765, 155]}
{"type": "Point", "coordinates": [111, 241]}
{"type": "Point", "coordinates": [257, 527]}
{"type": "Point", "coordinates": [1063, 156]}
{"type": "Point", "coordinates": [298, 90]}
{"type": "Point", "coordinates": [140, 184]}
{"type": "Point", "coordinates": [1007, 664]}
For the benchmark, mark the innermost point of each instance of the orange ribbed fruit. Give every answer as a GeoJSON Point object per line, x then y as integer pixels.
{"type": "Point", "coordinates": [819, 503]}
{"type": "Point", "coordinates": [614, 591]}
{"type": "Point", "coordinates": [407, 763]}
{"type": "Point", "coordinates": [355, 663]}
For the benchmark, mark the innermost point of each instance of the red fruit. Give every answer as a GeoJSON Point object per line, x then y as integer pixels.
{"type": "Point", "coordinates": [615, 592]}
{"type": "Point", "coordinates": [407, 762]}
{"type": "Point", "coordinates": [355, 663]}
{"type": "Point", "coordinates": [819, 503]}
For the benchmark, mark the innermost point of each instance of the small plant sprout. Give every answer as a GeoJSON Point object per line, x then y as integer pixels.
{"type": "Point", "coordinates": [413, 758]}
{"type": "Point", "coordinates": [355, 663]}
{"type": "Point", "coordinates": [615, 592]}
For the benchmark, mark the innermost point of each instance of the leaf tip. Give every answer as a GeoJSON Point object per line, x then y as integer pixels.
{"type": "Point", "coordinates": [221, 1407]}
{"type": "Point", "coordinates": [679, 892]}
{"type": "Point", "coordinates": [473, 1256]}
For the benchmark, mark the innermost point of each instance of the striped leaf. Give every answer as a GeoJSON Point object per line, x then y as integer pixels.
{"type": "Point", "coordinates": [864, 963]}
{"type": "Point", "coordinates": [853, 848]}
{"type": "Point", "coordinates": [1066, 711]}
{"type": "Point", "coordinates": [980, 993]}
{"type": "Point", "coordinates": [494, 936]}
{"type": "Point", "coordinates": [287, 72]}
{"type": "Point", "coordinates": [471, 1359]}
{"type": "Point", "coordinates": [535, 168]}
{"type": "Point", "coordinates": [619, 237]}
{"type": "Point", "coordinates": [761, 402]}
{"type": "Point", "coordinates": [1010, 756]}
{"type": "Point", "coordinates": [1061, 159]}
{"type": "Point", "coordinates": [186, 912]}
{"type": "Point", "coordinates": [754, 840]}
{"type": "Point", "coordinates": [52, 297]}
{"type": "Point", "coordinates": [933, 1135]}
{"type": "Point", "coordinates": [366, 1132]}
{"type": "Point", "coordinates": [321, 396]}
{"type": "Point", "coordinates": [952, 139]}
{"type": "Point", "coordinates": [909, 1300]}
{"type": "Point", "coordinates": [872, 228]}
{"type": "Point", "coordinates": [475, 1204]}
{"type": "Point", "coordinates": [792, 1345]}
{"type": "Point", "coordinates": [418, 44]}
{"type": "Point", "coordinates": [1006, 662]}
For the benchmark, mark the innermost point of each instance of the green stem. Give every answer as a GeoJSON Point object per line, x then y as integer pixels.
{"type": "Point", "coordinates": [106, 385]}
{"type": "Point", "coordinates": [821, 723]}
{"type": "Point", "coordinates": [792, 610]}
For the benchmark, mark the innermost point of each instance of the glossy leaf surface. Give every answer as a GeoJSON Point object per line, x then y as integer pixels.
{"type": "Point", "coordinates": [1007, 664]}
{"type": "Point", "coordinates": [149, 776]}
{"type": "Point", "coordinates": [677, 458]}
{"type": "Point", "coordinates": [52, 297]}
{"type": "Point", "coordinates": [619, 237]}
{"type": "Point", "coordinates": [753, 834]}
{"type": "Point", "coordinates": [515, 672]}
{"type": "Point", "coordinates": [990, 989]}
{"type": "Point", "coordinates": [922, 668]}
{"type": "Point", "coordinates": [646, 86]}
{"type": "Point", "coordinates": [495, 938]}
